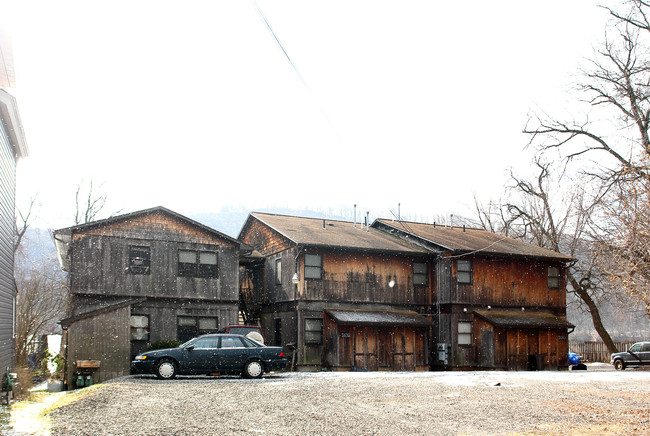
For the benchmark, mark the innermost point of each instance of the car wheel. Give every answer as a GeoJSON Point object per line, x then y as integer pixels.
{"type": "Point", "coordinates": [253, 369]}
{"type": "Point", "coordinates": [166, 369]}
{"type": "Point", "coordinates": [619, 365]}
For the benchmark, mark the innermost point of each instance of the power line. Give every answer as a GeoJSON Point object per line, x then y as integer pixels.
{"type": "Point", "coordinates": [293, 66]}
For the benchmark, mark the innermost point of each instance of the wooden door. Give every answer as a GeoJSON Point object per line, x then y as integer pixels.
{"type": "Point", "coordinates": [384, 348]}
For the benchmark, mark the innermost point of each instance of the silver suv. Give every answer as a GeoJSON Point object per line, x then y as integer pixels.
{"type": "Point", "coordinates": [637, 355]}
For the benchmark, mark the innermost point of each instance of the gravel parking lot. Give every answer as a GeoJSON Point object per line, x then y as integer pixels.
{"type": "Point", "coordinates": [586, 402]}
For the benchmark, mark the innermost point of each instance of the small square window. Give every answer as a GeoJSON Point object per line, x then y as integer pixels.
{"type": "Point", "coordinates": [313, 331]}
{"type": "Point", "coordinates": [313, 266]}
{"type": "Point", "coordinates": [139, 328]}
{"type": "Point", "coordinates": [465, 271]}
{"type": "Point", "coordinates": [139, 260]}
{"type": "Point", "coordinates": [420, 276]}
{"type": "Point", "coordinates": [554, 277]}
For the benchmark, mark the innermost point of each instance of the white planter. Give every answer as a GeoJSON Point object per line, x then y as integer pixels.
{"type": "Point", "coordinates": [55, 386]}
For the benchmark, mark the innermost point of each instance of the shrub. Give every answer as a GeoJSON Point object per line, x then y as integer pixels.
{"type": "Point", "coordinates": [167, 343]}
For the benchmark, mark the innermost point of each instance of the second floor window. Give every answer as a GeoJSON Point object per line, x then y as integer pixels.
{"type": "Point", "coordinates": [139, 260]}
{"type": "Point", "coordinates": [553, 277]}
{"type": "Point", "coordinates": [314, 266]}
{"type": "Point", "coordinates": [420, 276]}
{"type": "Point", "coordinates": [278, 271]}
{"type": "Point", "coordinates": [464, 271]}
{"type": "Point", "coordinates": [197, 264]}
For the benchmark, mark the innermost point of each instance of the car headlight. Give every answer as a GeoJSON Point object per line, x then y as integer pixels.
{"type": "Point", "coordinates": [140, 357]}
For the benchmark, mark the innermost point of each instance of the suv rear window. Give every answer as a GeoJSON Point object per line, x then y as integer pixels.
{"type": "Point", "coordinates": [241, 330]}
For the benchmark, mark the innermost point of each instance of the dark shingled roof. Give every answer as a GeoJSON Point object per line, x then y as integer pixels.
{"type": "Point", "coordinates": [335, 234]}
{"type": "Point", "coordinates": [461, 240]}
{"type": "Point", "coordinates": [523, 320]}
{"type": "Point", "coordinates": [395, 318]}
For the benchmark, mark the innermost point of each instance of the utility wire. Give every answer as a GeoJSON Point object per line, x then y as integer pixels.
{"type": "Point", "coordinates": [293, 66]}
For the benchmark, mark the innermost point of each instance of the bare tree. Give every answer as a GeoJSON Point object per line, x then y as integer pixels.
{"type": "Point", "coordinates": [88, 205]}
{"type": "Point", "coordinates": [23, 221]}
{"type": "Point", "coordinates": [624, 242]}
{"type": "Point", "coordinates": [559, 224]}
{"type": "Point", "coordinates": [41, 300]}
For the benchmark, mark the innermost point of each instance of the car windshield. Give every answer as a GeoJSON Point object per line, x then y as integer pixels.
{"type": "Point", "coordinates": [188, 343]}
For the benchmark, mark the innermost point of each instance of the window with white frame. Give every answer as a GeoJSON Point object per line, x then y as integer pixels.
{"type": "Point", "coordinates": [465, 335]}
{"type": "Point", "coordinates": [465, 271]}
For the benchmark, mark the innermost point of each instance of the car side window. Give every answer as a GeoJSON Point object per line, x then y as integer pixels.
{"type": "Point", "coordinates": [205, 344]}
{"type": "Point", "coordinates": [646, 347]}
{"type": "Point", "coordinates": [231, 342]}
{"type": "Point", "coordinates": [635, 348]}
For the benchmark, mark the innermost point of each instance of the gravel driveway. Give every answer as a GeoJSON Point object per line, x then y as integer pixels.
{"type": "Point", "coordinates": [587, 402]}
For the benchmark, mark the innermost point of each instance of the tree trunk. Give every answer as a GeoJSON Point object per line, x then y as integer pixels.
{"type": "Point", "coordinates": [595, 313]}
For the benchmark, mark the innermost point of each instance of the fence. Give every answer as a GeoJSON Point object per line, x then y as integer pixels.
{"type": "Point", "coordinates": [596, 351]}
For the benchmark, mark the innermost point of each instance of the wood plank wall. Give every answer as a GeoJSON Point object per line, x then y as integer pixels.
{"type": "Point", "coordinates": [105, 337]}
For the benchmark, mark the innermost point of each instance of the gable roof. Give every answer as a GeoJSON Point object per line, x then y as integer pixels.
{"type": "Point", "coordinates": [460, 240]}
{"type": "Point", "coordinates": [151, 211]}
{"type": "Point", "coordinates": [326, 233]}
{"type": "Point", "coordinates": [63, 237]}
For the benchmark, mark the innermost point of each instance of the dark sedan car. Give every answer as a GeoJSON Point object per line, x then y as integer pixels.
{"type": "Point", "coordinates": [637, 355]}
{"type": "Point", "coordinates": [211, 354]}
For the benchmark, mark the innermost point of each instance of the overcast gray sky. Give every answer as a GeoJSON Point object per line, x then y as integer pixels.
{"type": "Point", "coordinates": [192, 105]}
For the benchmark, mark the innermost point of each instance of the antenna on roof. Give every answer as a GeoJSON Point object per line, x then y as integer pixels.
{"type": "Point", "coordinates": [399, 211]}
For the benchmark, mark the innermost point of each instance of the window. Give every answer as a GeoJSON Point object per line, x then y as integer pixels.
{"type": "Point", "coordinates": [197, 264]}
{"type": "Point", "coordinates": [420, 276]}
{"type": "Point", "coordinates": [139, 260]}
{"type": "Point", "coordinates": [465, 333]}
{"type": "Point", "coordinates": [139, 328]}
{"type": "Point", "coordinates": [636, 348]}
{"type": "Point", "coordinates": [553, 277]}
{"type": "Point", "coordinates": [189, 327]}
{"type": "Point", "coordinates": [278, 271]}
{"type": "Point", "coordinates": [231, 342]}
{"type": "Point", "coordinates": [207, 264]}
{"type": "Point", "coordinates": [464, 271]}
{"type": "Point", "coordinates": [206, 343]}
{"type": "Point", "coordinates": [313, 331]}
{"type": "Point", "coordinates": [313, 266]}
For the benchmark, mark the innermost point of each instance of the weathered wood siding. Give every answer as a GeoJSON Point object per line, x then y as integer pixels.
{"type": "Point", "coordinates": [264, 239]}
{"type": "Point", "coordinates": [100, 261]}
{"type": "Point", "coordinates": [375, 348]}
{"type": "Point", "coordinates": [505, 282]}
{"type": "Point", "coordinates": [7, 226]}
{"type": "Point", "coordinates": [513, 348]}
{"type": "Point", "coordinates": [104, 337]}
{"type": "Point", "coordinates": [364, 277]}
